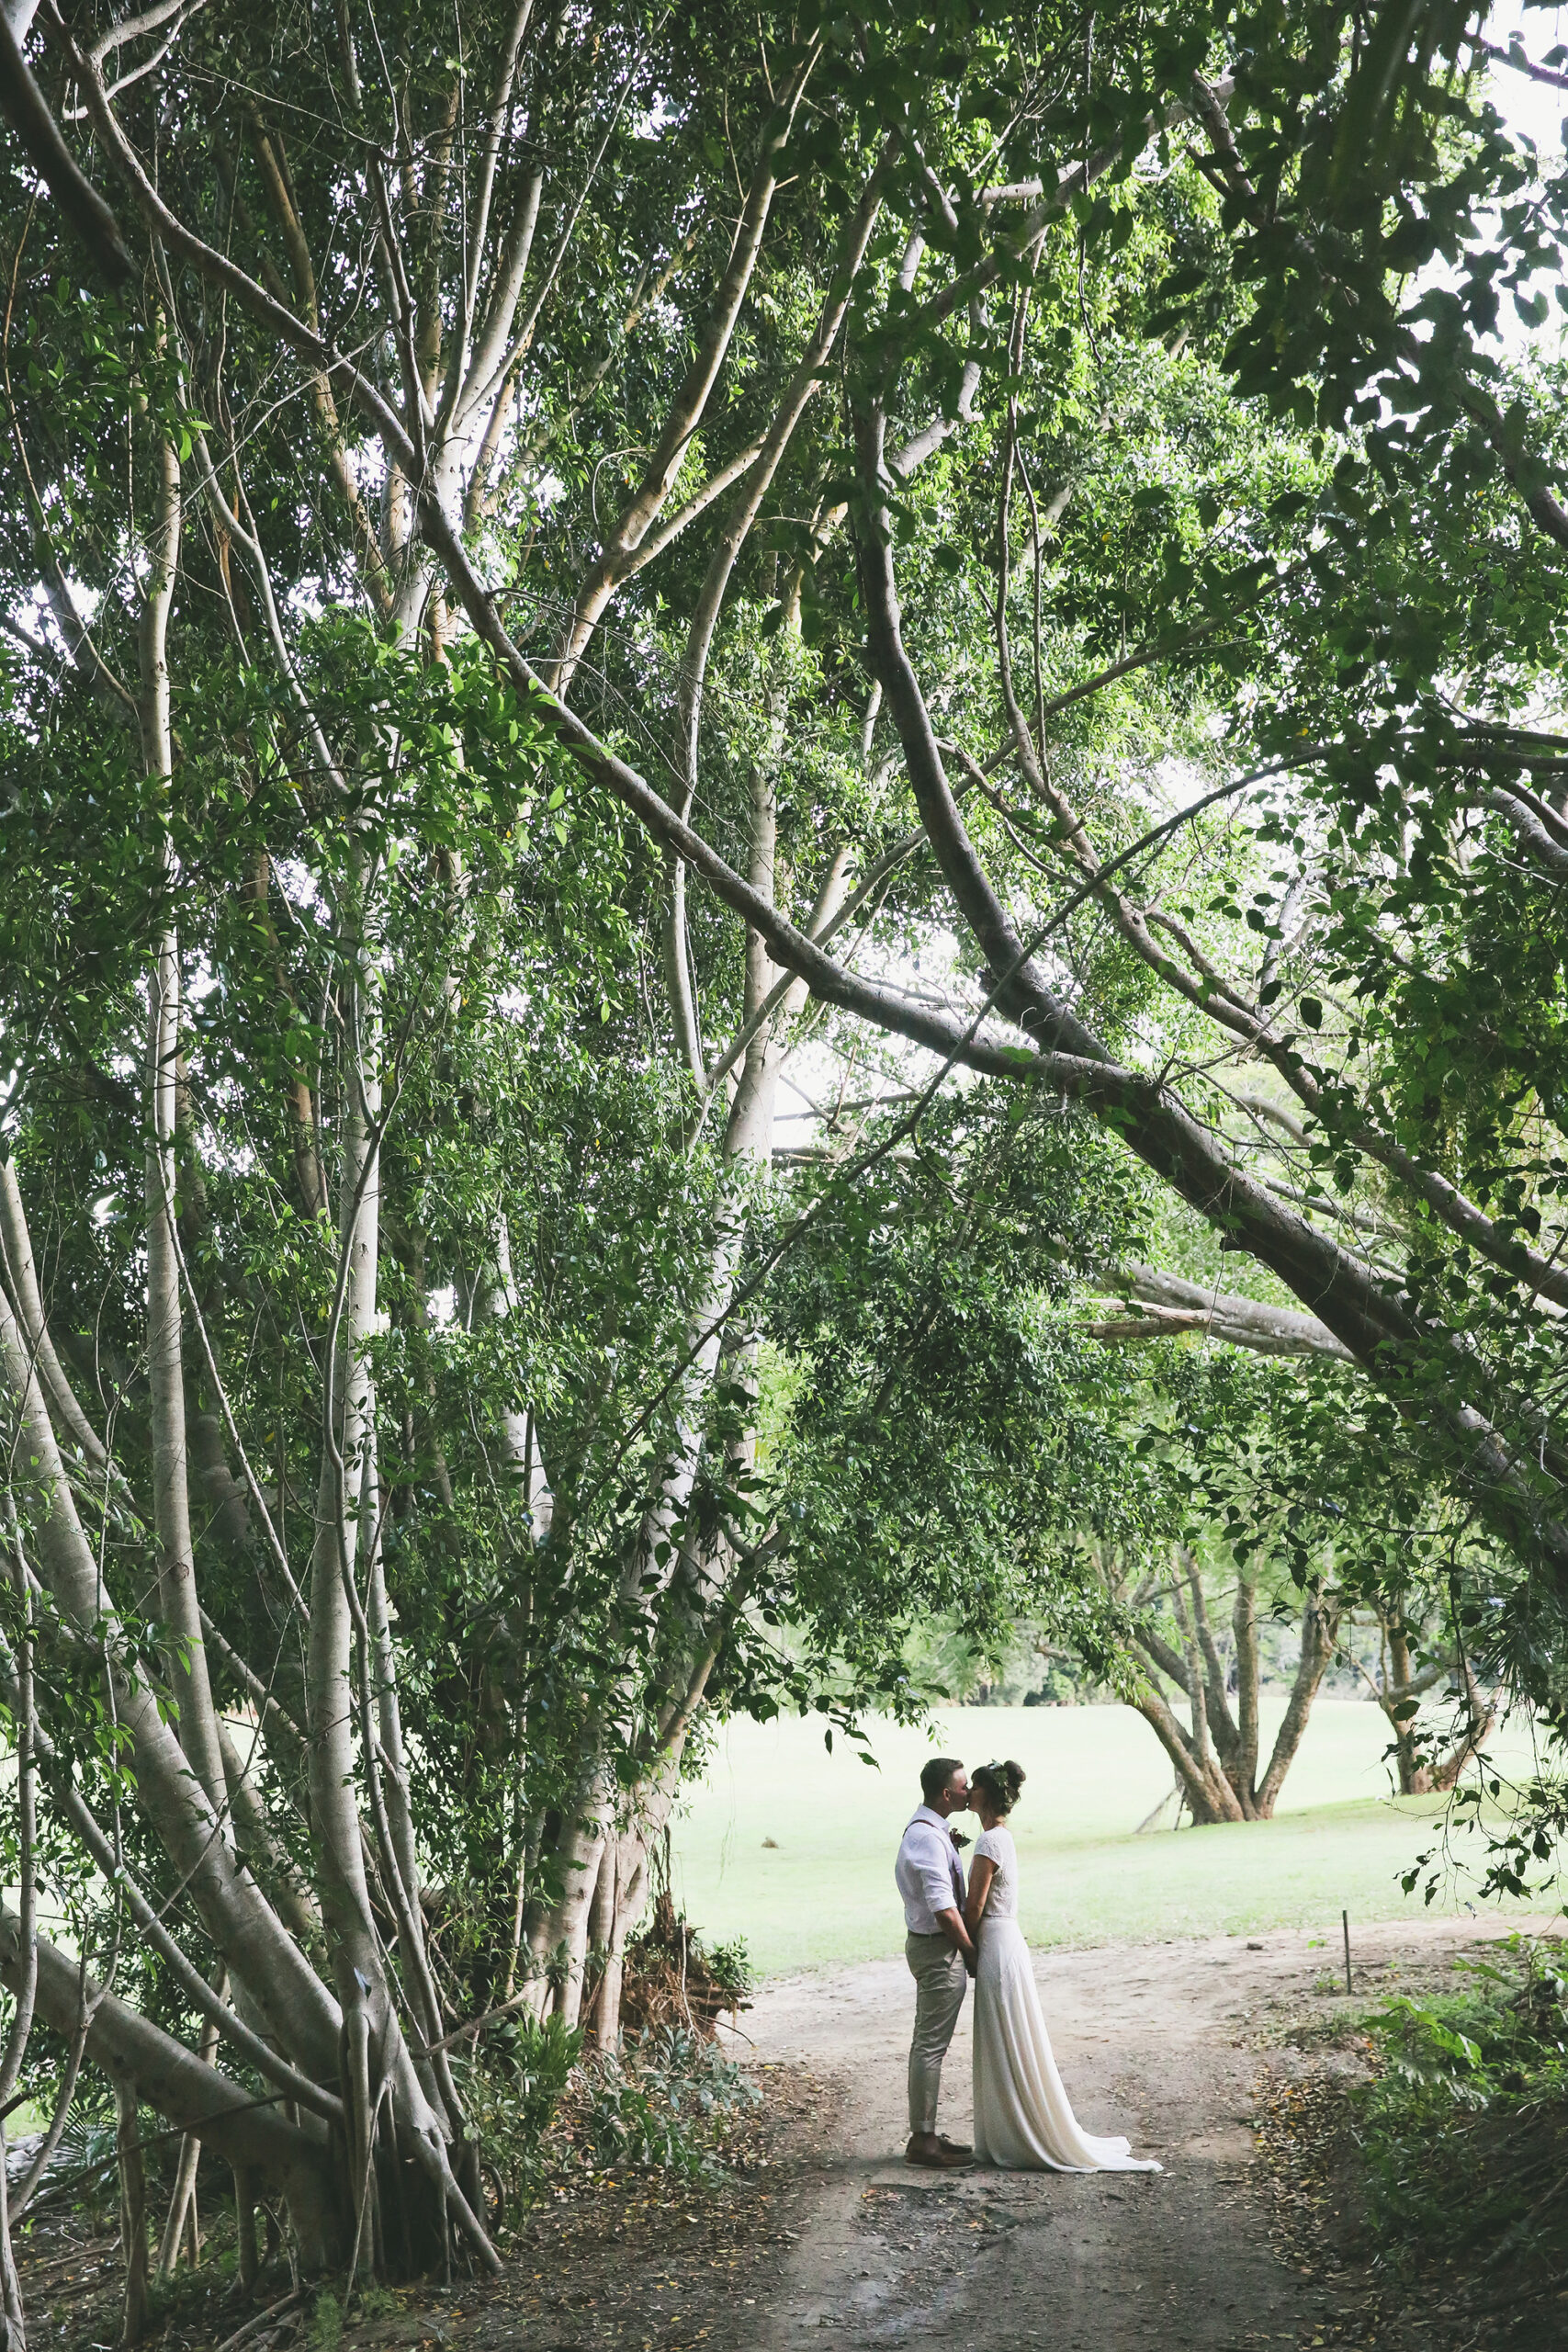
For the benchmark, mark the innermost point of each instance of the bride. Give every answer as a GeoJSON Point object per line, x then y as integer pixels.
{"type": "Point", "coordinates": [1022, 2119]}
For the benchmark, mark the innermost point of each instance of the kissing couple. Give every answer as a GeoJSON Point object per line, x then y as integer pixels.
{"type": "Point", "coordinates": [1023, 2120]}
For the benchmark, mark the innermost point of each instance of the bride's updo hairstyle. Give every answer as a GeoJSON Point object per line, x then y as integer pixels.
{"type": "Point", "coordinates": [998, 1785]}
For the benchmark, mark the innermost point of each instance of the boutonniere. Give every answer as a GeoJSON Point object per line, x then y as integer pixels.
{"type": "Point", "coordinates": [958, 1839]}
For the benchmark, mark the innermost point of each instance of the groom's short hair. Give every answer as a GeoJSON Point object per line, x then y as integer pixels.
{"type": "Point", "coordinates": [935, 1776]}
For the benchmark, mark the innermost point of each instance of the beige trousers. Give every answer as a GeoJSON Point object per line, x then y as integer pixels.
{"type": "Point", "coordinates": [941, 1982]}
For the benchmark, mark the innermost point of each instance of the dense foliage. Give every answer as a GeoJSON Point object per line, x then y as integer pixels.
{"type": "Point", "coordinates": [1463, 2127]}
{"type": "Point", "coordinates": [751, 769]}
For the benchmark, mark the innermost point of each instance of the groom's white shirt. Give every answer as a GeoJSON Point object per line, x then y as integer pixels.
{"type": "Point", "coordinates": [929, 1873]}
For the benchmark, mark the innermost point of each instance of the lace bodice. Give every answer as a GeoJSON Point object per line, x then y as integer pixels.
{"type": "Point", "coordinates": [995, 1845]}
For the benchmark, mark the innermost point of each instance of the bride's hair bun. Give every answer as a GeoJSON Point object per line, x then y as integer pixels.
{"type": "Point", "coordinates": [1000, 1784]}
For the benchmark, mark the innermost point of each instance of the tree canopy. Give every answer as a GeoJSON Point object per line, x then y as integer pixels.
{"type": "Point", "coordinates": [738, 753]}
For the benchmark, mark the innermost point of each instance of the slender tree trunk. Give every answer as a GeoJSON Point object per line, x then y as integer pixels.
{"type": "Point", "coordinates": [249, 2258]}
{"type": "Point", "coordinates": [14, 2315]}
{"type": "Point", "coordinates": [389, 1715]}
{"type": "Point", "coordinates": [1481, 1714]}
{"type": "Point", "coordinates": [628, 1887]}
{"type": "Point", "coordinates": [560, 1944]}
{"type": "Point", "coordinates": [630, 1879]}
{"type": "Point", "coordinates": [177, 1603]}
{"type": "Point", "coordinates": [1220, 1725]}
{"type": "Point", "coordinates": [1414, 1773]}
{"type": "Point", "coordinates": [132, 2214]}
{"type": "Point", "coordinates": [183, 2201]}
{"type": "Point", "coordinates": [1244, 1626]}
{"type": "Point", "coordinates": [1320, 1626]}
{"type": "Point", "coordinates": [370, 2028]}
{"type": "Point", "coordinates": [332, 1713]}
{"type": "Point", "coordinates": [375, 2060]}
{"type": "Point", "coordinates": [297, 2010]}
{"type": "Point", "coordinates": [601, 1929]}
{"type": "Point", "coordinates": [1204, 1755]}
{"type": "Point", "coordinates": [16, 2041]}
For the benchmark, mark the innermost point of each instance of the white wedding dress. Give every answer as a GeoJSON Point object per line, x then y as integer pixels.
{"type": "Point", "coordinates": [1022, 2117]}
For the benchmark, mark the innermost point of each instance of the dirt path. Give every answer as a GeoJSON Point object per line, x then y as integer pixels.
{"type": "Point", "coordinates": [1158, 2041]}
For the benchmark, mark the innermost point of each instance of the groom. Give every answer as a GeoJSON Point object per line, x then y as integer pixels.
{"type": "Point", "coordinates": [930, 1877]}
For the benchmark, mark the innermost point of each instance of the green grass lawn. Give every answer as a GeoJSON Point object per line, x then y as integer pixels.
{"type": "Point", "coordinates": [823, 1892]}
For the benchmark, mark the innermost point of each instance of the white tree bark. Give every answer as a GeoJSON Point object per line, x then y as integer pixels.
{"type": "Point", "coordinates": [1170, 1305]}
{"type": "Point", "coordinates": [299, 2014]}
{"type": "Point", "coordinates": [178, 1602]}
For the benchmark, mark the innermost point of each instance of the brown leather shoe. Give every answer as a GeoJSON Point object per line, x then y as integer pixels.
{"type": "Point", "coordinates": [954, 2147]}
{"type": "Point", "coordinates": [932, 2155]}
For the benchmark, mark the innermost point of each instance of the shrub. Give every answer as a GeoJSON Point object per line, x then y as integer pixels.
{"type": "Point", "coordinates": [544, 2111]}
{"type": "Point", "coordinates": [1464, 2125]}
{"type": "Point", "coordinates": [658, 2106]}
{"type": "Point", "coordinates": [729, 1965]}
{"type": "Point", "coordinates": [515, 2091]}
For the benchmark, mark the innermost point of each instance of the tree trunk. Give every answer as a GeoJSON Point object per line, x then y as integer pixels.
{"type": "Point", "coordinates": [1320, 1627]}
{"type": "Point", "coordinates": [133, 2213]}
{"type": "Point", "coordinates": [183, 2201]}
{"type": "Point", "coordinates": [375, 2060]}
{"type": "Point", "coordinates": [630, 1890]}
{"type": "Point", "coordinates": [1244, 1626]}
{"type": "Point", "coordinates": [14, 2336]}
{"type": "Point", "coordinates": [1483, 1713]}
{"type": "Point", "coordinates": [584, 1854]}
{"type": "Point", "coordinates": [1415, 1777]}
{"type": "Point", "coordinates": [1210, 1796]}
{"type": "Point", "coordinates": [1220, 1726]}
{"type": "Point", "coordinates": [1398, 1690]}
{"type": "Point", "coordinates": [249, 2258]}
{"type": "Point", "coordinates": [293, 2160]}
{"type": "Point", "coordinates": [165, 1380]}
{"type": "Point", "coordinates": [1480, 1712]}
{"type": "Point", "coordinates": [186, 1659]}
